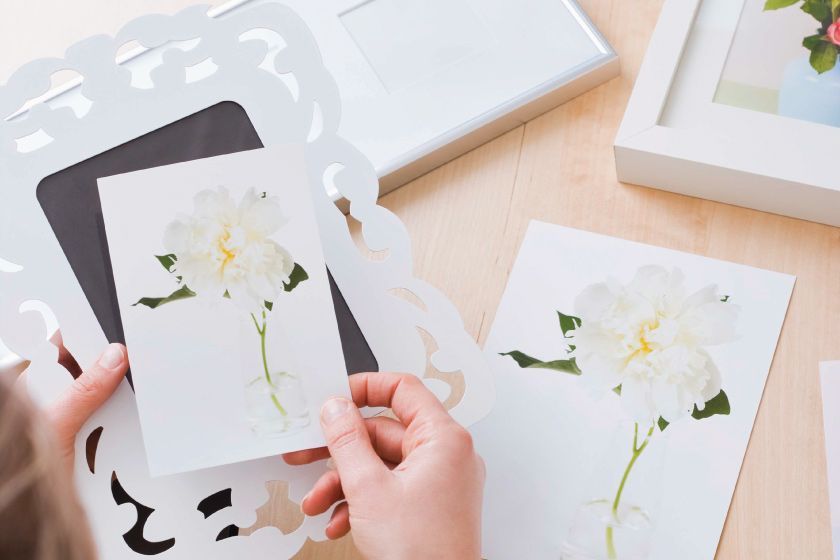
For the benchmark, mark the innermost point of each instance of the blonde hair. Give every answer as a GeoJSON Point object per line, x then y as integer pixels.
{"type": "Point", "coordinates": [40, 515]}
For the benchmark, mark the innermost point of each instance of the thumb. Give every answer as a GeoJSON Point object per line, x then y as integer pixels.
{"type": "Point", "coordinates": [89, 391]}
{"type": "Point", "coordinates": [359, 467]}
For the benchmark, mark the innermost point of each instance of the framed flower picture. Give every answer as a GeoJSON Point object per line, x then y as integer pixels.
{"type": "Point", "coordinates": [736, 101]}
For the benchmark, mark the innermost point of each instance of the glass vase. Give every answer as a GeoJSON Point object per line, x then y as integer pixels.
{"type": "Point", "coordinates": [808, 95]}
{"type": "Point", "coordinates": [616, 521]}
{"type": "Point", "coordinates": [275, 400]}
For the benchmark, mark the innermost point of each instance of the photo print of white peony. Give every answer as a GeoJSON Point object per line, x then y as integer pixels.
{"type": "Point", "coordinates": [628, 380]}
{"type": "Point", "coordinates": [225, 303]}
{"type": "Point", "coordinates": [225, 250]}
{"type": "Point", "coordinates": [645, 342]}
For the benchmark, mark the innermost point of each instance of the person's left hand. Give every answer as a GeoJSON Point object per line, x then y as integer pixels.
{"type": "Point", "coordinates": [88, 392]}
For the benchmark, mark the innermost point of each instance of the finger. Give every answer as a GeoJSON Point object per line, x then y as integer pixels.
{"type": "Point", "coordinates": [89, 391]}
{"type": "Point", "coordinates": [386, 435]}
{"type": "Point", "coordinates": [306, 456]}
{"type": "Point", "coordinates": [324, 494]}
{"type": "Point", "coordinates": [358, 465]}
{"type": "Point", "coordinates": [339, 524]}
{"type": "Point", "coordinates": [405, 394]}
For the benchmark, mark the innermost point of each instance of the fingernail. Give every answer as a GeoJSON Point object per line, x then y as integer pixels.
{"type": "Point", "coordinates": [334, 409]}
{"type": "Point", "coordinates": [303, 502]}
{"type": "Point", "coordinates": [112, 357]}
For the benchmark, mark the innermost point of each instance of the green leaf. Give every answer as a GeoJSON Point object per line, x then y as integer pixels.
{"type": "Point", "coordinates": [824, 57]}
{"type": "Point", "coordinates": [568, 323]}
{"type": "Point", "coordinates": [617, 390]}
{"type": "Point", "coordinates": [812, 41]}
{"type": "Point", "coordinates": [662, 423]}
{"type": "Point", "coordinates": [725, 299]}
{"type": "Point", "coordinates": [269, 305]}
{"type": "Point", "coordinates": [776, 4]}
{"type": "Point", "coordinates": [526, 361]}
{"type": "Point", "coordinates": [153, 303]}
{"type": "Point", "coordinates": [717, 405]}
{"type": "Point", "coordinates": [820, 9]}
{"type": "Point", "coordinates": [167, 261]}
{"type": "Point", "coordinates": [297, 276]}
{"type": "Point", "coordinates": [835, 9]}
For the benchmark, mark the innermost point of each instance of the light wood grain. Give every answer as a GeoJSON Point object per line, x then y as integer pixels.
{"type": "Point", "coordinates": [468, 218]}
{"type": "Point", "coordinates": [564, 172]}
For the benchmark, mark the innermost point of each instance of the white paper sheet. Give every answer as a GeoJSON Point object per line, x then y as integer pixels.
{"type": "Point", "coordinates": [552, 444]}
{"type": "Point", "coordinates": [203, 391]}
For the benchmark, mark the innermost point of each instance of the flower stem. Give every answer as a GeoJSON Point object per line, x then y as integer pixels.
{"type": "Point", "coordinates": [262, 330]}
{"type": "Point", "coordinates": [637, 450]}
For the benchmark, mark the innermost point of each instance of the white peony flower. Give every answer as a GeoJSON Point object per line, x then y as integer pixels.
{"type": "Point", "coordinates": [649, 337]}
{"type": "Point", "coordinates": [224, 248]}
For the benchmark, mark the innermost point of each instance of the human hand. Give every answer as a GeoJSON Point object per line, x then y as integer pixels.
{"type": "Point", "coordinates": [88, 392]}
{"type": "Point", "coordinates": [413, 487]}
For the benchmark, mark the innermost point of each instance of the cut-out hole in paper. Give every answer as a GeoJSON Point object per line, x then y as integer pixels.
{"type": "Point", "coordinates": [279, 511]}
{"type": "Point", "coordinates": [143, 64]}
{"type": "Point", "coordinates": [215, 503]}
{"type": "Point", "coordinates": [8, 266]}
{"type": "Point", "coordinates": [330, 174]}
{"type": "Point", "coordinates": [91, 446]}
{"type": "Point", "coordinates": [454, 379]}
{"type": "Point", "coordinates": [35, 141]}
{"type": "Point", "coordinates": [65, 358]}
{"type": "Point", "coordinates": [200, 71]}
{"type": "Point", "coordinates": [74, 100]}
{"type": "Point", "coordinates": [408, 296]}
{"type": "Point", "coordinates": [60, 81]}
{"type": "Point", "coordinates": [128, 49]}
{"type": "Point", "coordinates": [355, 227]}
{"type": "Point", "coordinates": [134, 537]}
{"type": "Point", "coordinates": [317, 123]}
{"type": "Point", "coordinates": [228, 532]}
{"type": "Point", "coordinates": [41, 308]}
{"type": "Point", "coordinates": [274, 42]}
{"type": "Point", "coordinates": [64, 77]}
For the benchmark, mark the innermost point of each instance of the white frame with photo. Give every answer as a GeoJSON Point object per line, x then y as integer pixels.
{"type": "Point", "coordinates": [732, 155]}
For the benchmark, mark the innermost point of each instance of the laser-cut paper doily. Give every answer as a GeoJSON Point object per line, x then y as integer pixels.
{"type": "Point", "coordinates": [264, 58]}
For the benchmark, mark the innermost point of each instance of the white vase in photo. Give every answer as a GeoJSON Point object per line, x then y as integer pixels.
{"type": "Point", "coordinates": [617, 520]}
{"type": "Point", "coordinates": [810, 96]}
{"type": "Point", "coordinates": [275, 400]}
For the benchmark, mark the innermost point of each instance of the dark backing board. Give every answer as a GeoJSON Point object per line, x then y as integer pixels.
{"type": "Point", "coordinates": [70, 200]}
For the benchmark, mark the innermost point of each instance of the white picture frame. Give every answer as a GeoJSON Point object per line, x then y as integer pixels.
{"type": "Point", "coordinates": [674, 137]}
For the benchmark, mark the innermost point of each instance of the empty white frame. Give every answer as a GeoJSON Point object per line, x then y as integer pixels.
{"type": "Point", "coordinates": [675, 137]}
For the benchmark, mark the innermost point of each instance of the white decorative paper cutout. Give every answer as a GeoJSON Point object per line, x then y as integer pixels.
{"type": "Point", "coordinates": [265, 59]}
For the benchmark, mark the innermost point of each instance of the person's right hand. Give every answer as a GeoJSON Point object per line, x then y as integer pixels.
{"type": "Point", "coordinates": [413, 487]}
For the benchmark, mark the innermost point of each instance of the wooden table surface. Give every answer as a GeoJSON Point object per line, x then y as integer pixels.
{"type": "Point", "coordinates": [468, 218]}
